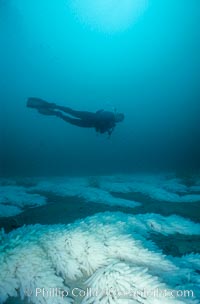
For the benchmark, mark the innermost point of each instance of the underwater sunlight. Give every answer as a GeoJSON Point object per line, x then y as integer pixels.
{"type": "Point", "coordinates": [109, 15]}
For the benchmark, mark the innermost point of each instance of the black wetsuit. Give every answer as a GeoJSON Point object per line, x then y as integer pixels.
{"type": "Point", "coordinates": [102, 121]}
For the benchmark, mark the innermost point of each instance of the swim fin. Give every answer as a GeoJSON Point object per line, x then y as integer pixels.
{"type": "Point", "coordinates": [47, 111]}
{"type": "Point", "coordinates": [38, 103]}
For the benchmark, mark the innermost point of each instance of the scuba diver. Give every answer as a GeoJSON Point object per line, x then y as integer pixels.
{"type": "Point", "coordinates": [102, 121]}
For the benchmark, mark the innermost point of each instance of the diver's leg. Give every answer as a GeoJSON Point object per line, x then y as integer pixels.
{"type": "Point", "coordinates": [74, 121]}
{"type": "Point", "coordinates": [38, 103]}
{"type": "Point", "coordinates": [79, 114]}
{"type": "Point", "coordinates": [48, 111]}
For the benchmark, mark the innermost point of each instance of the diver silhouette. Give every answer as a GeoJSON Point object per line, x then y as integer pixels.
{"type": "Point", "coordinates": [102, 121]}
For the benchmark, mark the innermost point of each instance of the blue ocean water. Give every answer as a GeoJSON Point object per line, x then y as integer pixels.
{"type": "Point", "coordinates": [148, 70]}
